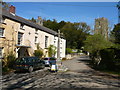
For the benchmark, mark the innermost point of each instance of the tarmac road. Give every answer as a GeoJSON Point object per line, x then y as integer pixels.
{"type": "Point", "coordinates": [79, 75]}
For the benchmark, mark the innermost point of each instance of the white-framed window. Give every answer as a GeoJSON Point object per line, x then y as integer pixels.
{"type": "Point", "coordinates": [20, 37]}
{"type": "Point", "coordinates": [1, 52]}
{"type": "Point", "coordinates": [1, 32]}
{"type": "Point", "coordinates": [46, 41]}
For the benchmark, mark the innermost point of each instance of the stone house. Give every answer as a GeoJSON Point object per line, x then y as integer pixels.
{"type": "Point", "coordinates": [22, 36]}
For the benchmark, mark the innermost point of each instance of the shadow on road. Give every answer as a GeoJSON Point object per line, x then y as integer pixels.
{"type": "Point", "coordinates": [84, 59]}
{"type": "Point", "coordinates": [87, 61]}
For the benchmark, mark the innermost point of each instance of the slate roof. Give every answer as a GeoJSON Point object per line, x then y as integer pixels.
{"type": "Point", "coordinates": [26, 22]}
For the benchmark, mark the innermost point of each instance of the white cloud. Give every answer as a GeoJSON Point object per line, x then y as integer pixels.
{"type": "Point", "coordinates": [61, 0]}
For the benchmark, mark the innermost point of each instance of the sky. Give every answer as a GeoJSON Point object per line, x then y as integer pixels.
{"type": "Point", "coordinates": [69, 11]}
{"type": "Point", "coordinates": [61, 0]}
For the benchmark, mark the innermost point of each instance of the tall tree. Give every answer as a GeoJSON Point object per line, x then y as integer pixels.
{"type": "Point", "coordinates": [75, 34]}
{"type": "Point", "coordinates": [116, 33]}
{"type": "Point", "coordinates": [96, 42]}
{"type": "Point", "coordinates": [33, 19]}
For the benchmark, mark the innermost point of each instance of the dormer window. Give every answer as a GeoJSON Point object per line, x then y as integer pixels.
{"type": "Point", "coordinates": [22, 26]}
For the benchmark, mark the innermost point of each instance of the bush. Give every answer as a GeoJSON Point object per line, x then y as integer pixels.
{"type": "Point", "coordinates": [107, 56]}
{"type": "Point", "coordinates": [68, 51]}
{"type": "Point", "coordinates": [38, 53]}
{"type": "Point", "coordinates": [11, 60]}
{"type": "Point", "coordinates": [5, 69]}
{"type": "Point", "coordinates": [51, 51]}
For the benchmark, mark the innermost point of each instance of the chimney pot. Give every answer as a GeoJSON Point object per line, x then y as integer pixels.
{"type": "Point", "coordinates": [12, 9]}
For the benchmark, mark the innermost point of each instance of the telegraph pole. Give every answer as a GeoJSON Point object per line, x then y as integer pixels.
{"type": "Point", "coordinates": [58, 48]}
{"type": "Point", "coordinates": [59, 64]}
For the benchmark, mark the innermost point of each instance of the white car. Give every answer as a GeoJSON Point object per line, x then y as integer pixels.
{"type": "Point", "coordinates": [49, 61]}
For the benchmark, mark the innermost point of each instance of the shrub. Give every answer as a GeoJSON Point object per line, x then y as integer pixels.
{"type": "Point", "coordinates": [68, 51]}
{"type": "Point", "coordinates": [11, 60]}
{"type": "Point", "coordinates": [51, 51]}
{"type": "Point", "coordinates": [107, 56]}
{"type": "Point", "coordinates": [38, 53]}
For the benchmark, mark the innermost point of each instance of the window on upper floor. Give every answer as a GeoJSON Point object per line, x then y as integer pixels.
{"type": "Point", "coordinates": [20, 38]}
{"type": "Point", "coordinates": [2, 20]}
{"type": "Point", "coordinates": [22, 26]}
{"type": "Point", "coordinates": [1, 52]}
{"type": "Point", "coordinates": [36, 39]}
{"type": "Point", "coordinates": [36, 31]}
{"type": "Point", "coordinates": [46, 41]}
{"type": "Point", "coordinates": [1, 32]}
{"type": "Point", "coordinates": [54, 38]}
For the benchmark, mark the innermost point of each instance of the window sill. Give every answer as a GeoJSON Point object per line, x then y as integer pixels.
{"type": "Point", "coordinates": [2, 36]}
{"type": "Point", "coordinates": [36, 42]}
{"type": "Point", "coordinates": [22, 28]}
{"type": "Point", "coordinates": [3, 23]}
{"type": "Point", "coordinates": [36, 33]}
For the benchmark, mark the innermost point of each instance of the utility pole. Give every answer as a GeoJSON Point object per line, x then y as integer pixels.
{"type": "Point", "coordinates": [59, 64]}
{"type": "Point", "coordinates": [58, 48]}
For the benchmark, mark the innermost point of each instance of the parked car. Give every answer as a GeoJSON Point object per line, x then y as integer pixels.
{"type": "Point", "coordinates": [49, 61]}
{"type": "Point", "coordinates": [29, 63]}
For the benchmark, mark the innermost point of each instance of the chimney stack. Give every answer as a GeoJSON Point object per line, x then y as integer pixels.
{"type": "Point", "coordinates": [12, 9]}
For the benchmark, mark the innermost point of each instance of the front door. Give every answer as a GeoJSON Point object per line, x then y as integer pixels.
{"type": "Point", "coordinates": [23, 52]}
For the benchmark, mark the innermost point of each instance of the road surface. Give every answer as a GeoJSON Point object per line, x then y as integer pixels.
{"type": "Point", "coordinates": [79, 75]}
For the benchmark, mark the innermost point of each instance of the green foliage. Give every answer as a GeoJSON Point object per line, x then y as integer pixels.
{"type": "Point", "coordinates": [95, 43]}
{"type": "Point", "coordinates": [11, 60]}
{"type": "Point", "coordinates": [5, 69]}
{"type": "Point", "coordinates": [107, 56]}
{"type": "Point", "coordinates": [68, 51]}
{"type": "Point", "coordinates": [116, 34]}
{"type": "Point", "coordinates": [110, 60]}
{"type": "Point", "coordinates": [38, 53]}
{"type": "Point", "coordinates": [53, 24]}
{"type": "Point", "coordinates": [38, 46]}
{"type": "Point", "coordinates": [51, 51]}
{"type": "Point", "coordinates": [33, 20]}
{"type": "Point", "coordinates": [75, 34]}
